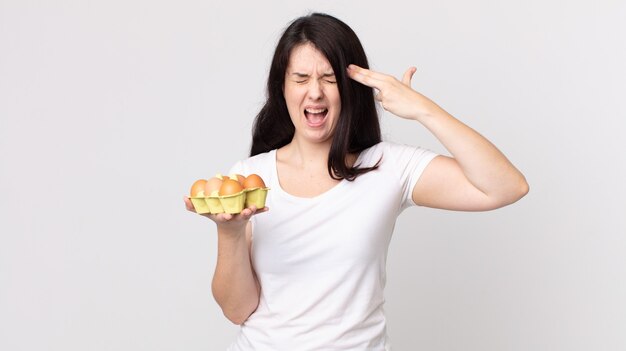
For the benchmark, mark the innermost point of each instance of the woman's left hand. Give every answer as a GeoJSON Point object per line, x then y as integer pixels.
{"type": "Point", "coordinates": [477, 178]}
{"type": "Point", "coordinates": [395, 96]}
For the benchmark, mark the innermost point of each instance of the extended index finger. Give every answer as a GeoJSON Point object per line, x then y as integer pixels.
{"type": "Point", "coordinates": [365, 76]}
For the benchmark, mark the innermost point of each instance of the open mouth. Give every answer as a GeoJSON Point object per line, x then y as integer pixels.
{"type": "Point", "coordinates": [315, 117]}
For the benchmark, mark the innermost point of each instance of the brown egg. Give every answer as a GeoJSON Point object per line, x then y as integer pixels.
{"type": "Point", "coordinates": [197, 189]}
{"type": "Point", "coordinates": [230, 187]}
{"type": "Point", "coordinates": [212, 186]}
{"type": "Point", "coordinates": [237, 177]}
{"type": "Point", "coordinates": [221, 176]}
{"type": "Point", "coordinates": [253, 181]}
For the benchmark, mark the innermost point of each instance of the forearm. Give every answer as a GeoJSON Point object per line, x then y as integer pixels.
{"type": "Point", "coordinates": [234, 286]}
{"type": "Point", "coordinates": [482, 163]}
{"type": "Point", "coordinates": [480, 174]}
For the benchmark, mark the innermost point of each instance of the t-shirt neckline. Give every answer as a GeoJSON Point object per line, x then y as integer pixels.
{"type": "Point", "coordinates": [279, 189]}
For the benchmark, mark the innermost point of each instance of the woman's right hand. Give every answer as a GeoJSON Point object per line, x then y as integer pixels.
{"type": "Point", "coordinates": [235, 286]}
{"type": "Point", "coordinates": [226, 221]}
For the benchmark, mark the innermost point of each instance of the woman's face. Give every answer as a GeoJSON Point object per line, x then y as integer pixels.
{"type": "Point", "coordinates": [311, 94]}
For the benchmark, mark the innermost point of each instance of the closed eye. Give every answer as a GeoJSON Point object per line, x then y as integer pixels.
{"type": "Point", "coordinates": [301, 78]}
{"type": "Point", "coordinates": [329, 78]}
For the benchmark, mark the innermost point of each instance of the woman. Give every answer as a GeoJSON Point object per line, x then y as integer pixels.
{"type": "Point", "coordinates": [310, 273]}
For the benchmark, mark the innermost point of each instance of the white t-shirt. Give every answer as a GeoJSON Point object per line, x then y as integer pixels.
{"type": "Point", "coordinates": [321, 261]}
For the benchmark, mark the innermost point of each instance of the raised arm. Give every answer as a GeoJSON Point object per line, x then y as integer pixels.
{"type": "Point", "coordinates": [477, 177]}
{"type": "Point", "coordinates": [235, 286]}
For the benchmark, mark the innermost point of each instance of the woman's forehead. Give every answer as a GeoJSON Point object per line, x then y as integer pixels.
{"type": "Point", "coordinates": [306, 57]}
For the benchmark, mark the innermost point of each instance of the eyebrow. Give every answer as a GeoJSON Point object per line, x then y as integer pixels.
{"type": "Point", "coordinates": [304, 75]}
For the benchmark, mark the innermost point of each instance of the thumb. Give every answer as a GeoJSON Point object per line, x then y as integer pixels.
{"type": "Point", "coordinates": [406, 79]}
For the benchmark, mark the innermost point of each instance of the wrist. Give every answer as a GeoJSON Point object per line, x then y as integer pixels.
{"type": "Point", "coordinates": [231, 244]}
{"type": "Point", "coordinates": [429, 112]}
{"type": "Point", "coordinates": [232, 231]}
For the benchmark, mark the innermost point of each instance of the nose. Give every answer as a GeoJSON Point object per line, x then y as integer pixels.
{"type": "Point", "coordinates": [315, 90]}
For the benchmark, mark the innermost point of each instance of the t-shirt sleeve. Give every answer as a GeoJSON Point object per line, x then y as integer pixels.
{"type": "Point", "coordinates": [409, 162]}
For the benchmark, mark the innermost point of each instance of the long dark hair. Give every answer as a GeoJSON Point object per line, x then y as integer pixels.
{"type": "Point", "coordinates": [357, 127]}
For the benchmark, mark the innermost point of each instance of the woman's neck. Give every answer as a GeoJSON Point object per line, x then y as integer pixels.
{"type": "Point", "coordinates": [303, 155]}
{"type": "Point", "coordinates": [309, 157]}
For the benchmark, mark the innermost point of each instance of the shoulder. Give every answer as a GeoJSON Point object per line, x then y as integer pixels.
{"type": "Point", "coordinates": [259, 160]}
{"type": "Point", "coordinates": [260, 164]}
{"type": "Point", "coordinates": [391, 152]}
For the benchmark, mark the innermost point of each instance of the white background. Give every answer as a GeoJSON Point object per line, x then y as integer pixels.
{"type": "Point", "coordinates": [109, 110]}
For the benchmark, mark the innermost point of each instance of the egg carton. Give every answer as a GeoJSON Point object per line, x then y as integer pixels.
{"type": "Point", "coordinates": [233, 204]}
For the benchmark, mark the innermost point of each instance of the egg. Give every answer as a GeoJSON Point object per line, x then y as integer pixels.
{"type": "Point", "coordinates": [212, 186]}
{"type": "Point", "coordinates": [197, 189]}
{"type": "Point", "coordinates": [253, 181]}
{"type": "Point", "coordinates": [221, 176]}
{"type": "Point", "coordinates": [230, 187]}
{"type": "Point", "coordinates": [237, 177]}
